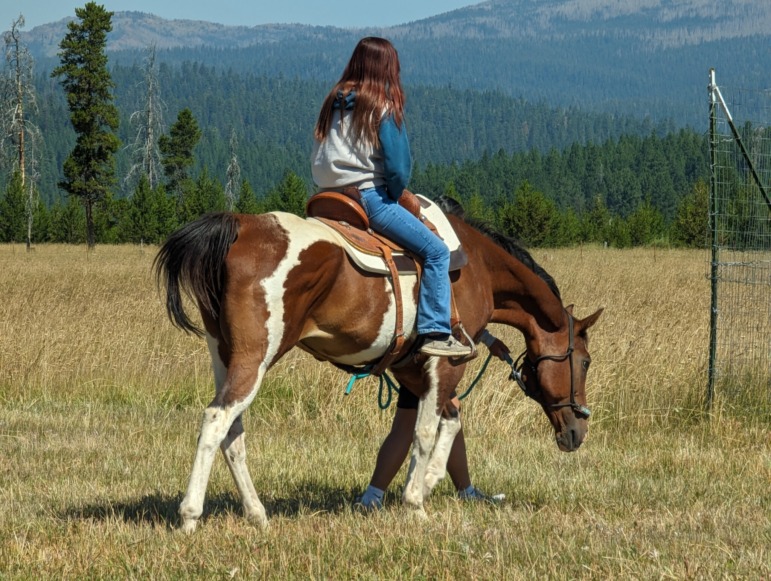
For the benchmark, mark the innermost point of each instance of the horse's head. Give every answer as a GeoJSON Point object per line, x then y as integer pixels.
{"type": "Point", "coordinates": [552, 371]}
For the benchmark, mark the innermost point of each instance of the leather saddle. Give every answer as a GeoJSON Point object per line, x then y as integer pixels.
{"type": "Point", "coordinates": [342, 212]}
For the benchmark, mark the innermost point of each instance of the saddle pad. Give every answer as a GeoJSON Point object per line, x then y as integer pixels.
{"type": "Point", "coordinates": [373, 263]}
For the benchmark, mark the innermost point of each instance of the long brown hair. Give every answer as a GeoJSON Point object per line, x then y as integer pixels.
{"type": "Point", "coordinates": [373, 73]}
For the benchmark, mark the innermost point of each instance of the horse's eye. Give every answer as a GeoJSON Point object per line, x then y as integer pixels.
{"type": "Point", "coordinates": [585, 365]}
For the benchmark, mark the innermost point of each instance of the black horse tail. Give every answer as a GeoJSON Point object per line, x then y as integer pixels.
{"type": "Point", "coordinates": [192, 262]}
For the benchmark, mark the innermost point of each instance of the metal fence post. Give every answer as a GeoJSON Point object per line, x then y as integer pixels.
{"type": "Point", "coordinates": [714, 233]}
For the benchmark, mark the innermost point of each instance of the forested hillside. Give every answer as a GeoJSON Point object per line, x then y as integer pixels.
{"type": "Point", "coordinates": [273, 119]}
{"type": "Point", "coordinates": [556, 123]}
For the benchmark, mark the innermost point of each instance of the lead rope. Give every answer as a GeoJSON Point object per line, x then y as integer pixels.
{"type": "Point", "coordinates": [477, 378]}
{"type": "Point", "coordinates": [384, 402]}
{"type": "Point", "coordinates": [385, 380]}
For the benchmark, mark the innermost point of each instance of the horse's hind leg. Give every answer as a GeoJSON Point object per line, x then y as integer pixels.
{"type": "Point", "coordinates": [234, 449]}
{"type": "Point", "coordinates": [218, 430]}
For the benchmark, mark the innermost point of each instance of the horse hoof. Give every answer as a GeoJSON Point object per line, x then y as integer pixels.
{"type": "Point", "coordinates": [259, 520]}
{"type": "Point", "coordinates": [419, 513]}
{"type": "Point", "coordinates": [416, 508]}
{"type": "Point", "coordinates": [188, 526]}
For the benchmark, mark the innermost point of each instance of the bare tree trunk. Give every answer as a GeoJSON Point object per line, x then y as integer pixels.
{"type": "Point", "coordinates": [149, 126]}
{"type": "Point", "coordinates": [18, 114]}
{"type": "Point", "coordinates": [90, 236]}
{"type": "Point", "coordinates": [22, 133]}
{"type": "Point", "coordinates": [233, 173]}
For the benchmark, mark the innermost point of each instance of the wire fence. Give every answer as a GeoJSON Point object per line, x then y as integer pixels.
{"type": "Point", "coordinates": [740, 266]}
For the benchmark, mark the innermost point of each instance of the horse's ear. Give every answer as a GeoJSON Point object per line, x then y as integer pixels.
{"type": "Point", "coordinates": [582, 325]}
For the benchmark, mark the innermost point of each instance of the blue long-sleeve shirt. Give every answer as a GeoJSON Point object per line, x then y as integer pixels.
{"type": "Point", "coordinates": [340, 161]}
{"type": "Point", "coordinates": [397, 160]}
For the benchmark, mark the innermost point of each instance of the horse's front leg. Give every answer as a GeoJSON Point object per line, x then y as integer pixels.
{"type": "Point", "coordinates": [449, 426]}
{"type": "Point", "coordinates": [423, 439]}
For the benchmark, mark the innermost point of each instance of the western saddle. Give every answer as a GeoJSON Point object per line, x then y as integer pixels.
{"type": "Point", "coordinates": [342, 211]}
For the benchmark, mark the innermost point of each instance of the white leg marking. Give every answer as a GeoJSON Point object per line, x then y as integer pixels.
{"type": "Point", "coordinates": [234, 449]}
{"type": "Point", "coordinates": [215, 426]}
{"type": "Point", "coordinates": [437, 465]}
{"type": "Point", "coordinates": [423, 440]}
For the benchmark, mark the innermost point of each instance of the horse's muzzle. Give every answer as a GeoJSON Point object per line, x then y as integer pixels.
{"type": "Point", "coordinates": [572, 436]}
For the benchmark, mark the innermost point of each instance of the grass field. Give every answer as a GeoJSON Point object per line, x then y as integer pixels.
{"type": "Point", "coordinates": [100, 401]}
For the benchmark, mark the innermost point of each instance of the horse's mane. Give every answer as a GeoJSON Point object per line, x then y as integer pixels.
{"type": "Point", "coordinates": [509, 244]}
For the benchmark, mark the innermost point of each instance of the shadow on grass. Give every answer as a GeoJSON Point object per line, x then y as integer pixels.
{"type": "Point", "coordinates": [308, 497]}
{"type": "Point", "coordinates": [160, 510]}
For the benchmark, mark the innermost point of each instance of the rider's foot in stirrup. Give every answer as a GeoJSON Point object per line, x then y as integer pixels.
{"type": "Point", "coordinates": [443, 346]}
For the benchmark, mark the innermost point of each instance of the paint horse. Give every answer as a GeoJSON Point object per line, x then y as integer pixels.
{"type": "Point", "coordinates": [265, 284]}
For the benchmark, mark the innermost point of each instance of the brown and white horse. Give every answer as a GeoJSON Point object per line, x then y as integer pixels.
{"type": "Point", "coordinates": [267, 283]}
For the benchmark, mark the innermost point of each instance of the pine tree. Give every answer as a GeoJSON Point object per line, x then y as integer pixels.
{"type": "Point", "coordinates": [206, 196]}
{"type": "Point", "coordinates": [691, 225]}
{"type": "Point", "coordinates": [476, 209]}
{"type": "Point", "coordinates": [290, 195]}
{"type": "Point", "coordinates": [532, 217]}
{"type": "Point", "coordinates": [68, 222]}
{"type": "Point", "coordinates": [646, 224]}
{"type": "Point", "coordinates": [140, 222]}
{"type": "Point", "coordinates": [617, 233]}
{"type": "Point", "coordinates": [247, 202]}
{"type": "Point", "coordinates": [89, 171]}
{"type": "Point", "coordinates": [177, 153]}
{"type": "Point", "coordinates": [12, 211]}
{"type": "Point", "coordinates": [596, 223]}
{"type": "Point", "coordinates": [168, 217]}
{"type": "Point", "coordinates": [568, 232]}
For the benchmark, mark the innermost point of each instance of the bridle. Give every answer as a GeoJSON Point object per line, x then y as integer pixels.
{"type": "Point", "coordinates": [537, 394]}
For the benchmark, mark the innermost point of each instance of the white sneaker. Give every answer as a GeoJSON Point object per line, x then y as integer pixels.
{"type": "Point", "coordinates": [447, 346]}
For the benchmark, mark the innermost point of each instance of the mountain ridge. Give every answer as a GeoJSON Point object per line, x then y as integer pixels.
{"type": "Point", "coordinates": [663, 23]}
{"type": "Point", "coordinates": [646, 58]}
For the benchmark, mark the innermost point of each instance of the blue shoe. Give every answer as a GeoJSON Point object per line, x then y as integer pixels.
{"type": "Point", "coordinates": [373, 505]}
{"type": "Point", "coordinates": [477, 495]}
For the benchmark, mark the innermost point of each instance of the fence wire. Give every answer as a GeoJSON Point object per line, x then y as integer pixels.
{"type": "Point", "coordinates": [740, 268]}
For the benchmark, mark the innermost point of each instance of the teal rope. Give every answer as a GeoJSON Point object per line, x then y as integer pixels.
{"type": "Point", "coordinates": [354, 378]}
{"type": "Point", "coordinates": [385, 380]}
{"type": "Point", "coordinates": [477, 378]}
{"type": "Point", "coordinates": [384, 402]}
{"type": "Point", "coordinates": [391, 389]}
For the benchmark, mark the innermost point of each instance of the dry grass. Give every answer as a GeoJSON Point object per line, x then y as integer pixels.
{"type": "Point", "coordinates": [100, 400]}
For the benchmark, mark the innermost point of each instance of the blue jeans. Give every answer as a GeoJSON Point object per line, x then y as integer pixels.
{"type": "Point", "coordinates": [390, 219]}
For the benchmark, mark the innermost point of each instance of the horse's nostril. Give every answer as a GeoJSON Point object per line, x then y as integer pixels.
{"type": "Point", "coordinates": [575, 439]}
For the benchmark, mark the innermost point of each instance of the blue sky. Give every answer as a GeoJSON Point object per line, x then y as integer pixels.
{"type": "Point", "coordinates": [342, 13]}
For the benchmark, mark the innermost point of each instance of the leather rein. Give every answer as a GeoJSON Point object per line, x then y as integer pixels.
{"type": "Point", "coordinates": [537, 394]}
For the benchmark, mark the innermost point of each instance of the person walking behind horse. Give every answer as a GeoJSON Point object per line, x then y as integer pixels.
{"type": "Point", "coordinates": [397, 444]}
{"type": "Point", "coordinates": [361, 141]}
